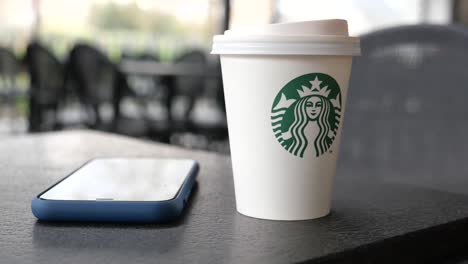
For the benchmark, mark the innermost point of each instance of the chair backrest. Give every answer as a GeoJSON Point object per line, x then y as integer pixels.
{"type": "Point", "coordinates": [46, 73]}
{"type": "Point", "coordinates": [407, 99]}
{"type": "Point", "coordinates": [189, 86]}
{"type": "Point", "coordinates": [99, 82]}
{"type": "Point", "coordinates": [93, 72]}
{"type": "Point", "coordinates": [143, 85]}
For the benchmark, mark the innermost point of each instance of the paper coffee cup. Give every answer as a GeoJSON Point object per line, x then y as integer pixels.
{"type": "Point", "coordinates": [285, 89]}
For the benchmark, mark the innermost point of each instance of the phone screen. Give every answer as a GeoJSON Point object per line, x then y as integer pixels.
{"type": "Point", "coordinates": [123, 180]}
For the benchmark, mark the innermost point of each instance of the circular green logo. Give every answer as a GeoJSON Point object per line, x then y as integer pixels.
{"type": "Point", "coordinates": [306, 114]}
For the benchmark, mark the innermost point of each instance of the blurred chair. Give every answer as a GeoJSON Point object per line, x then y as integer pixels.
{"type": "Point", "coordinates": [186, 89]}
{"type": "Point", "coordinates": [220, 88]}
{"type": "Point", "coordinates": [194, 103]}
{"type": "Point", "coordinates": [151, 96]}
{"type": "Point", "coordinates": [47, 88]}
{"type": "Point", "coordinates": [10, 66]}
{"type": "Point", "coordinates": [212, 121]}
{"type": "Point", "coordinates": [96, 79]}
{"type": "Point", "coordinates": [100, 86]}
{"type": "Point", "coordinates": [407, 103]}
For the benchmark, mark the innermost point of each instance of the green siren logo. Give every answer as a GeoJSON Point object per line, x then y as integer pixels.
{"type": "Point", "coordinates": [306, 112]}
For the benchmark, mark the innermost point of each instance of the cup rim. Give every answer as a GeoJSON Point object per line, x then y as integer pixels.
{"type": "Point", "coordinates": [286, 45]}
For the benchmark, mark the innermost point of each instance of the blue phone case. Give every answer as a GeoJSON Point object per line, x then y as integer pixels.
{"type": "Point", "coordinates": [115, 211]}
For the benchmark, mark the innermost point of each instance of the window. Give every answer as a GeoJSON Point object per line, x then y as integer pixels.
{"type": "Point", "coordinates": [366, 15]}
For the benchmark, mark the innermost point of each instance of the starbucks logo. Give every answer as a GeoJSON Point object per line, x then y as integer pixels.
{"type": "Point", "coordinates": [306, 114]}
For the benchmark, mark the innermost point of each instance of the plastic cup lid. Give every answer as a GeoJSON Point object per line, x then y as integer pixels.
{"type": "Point", "coordinates": [320, 37]}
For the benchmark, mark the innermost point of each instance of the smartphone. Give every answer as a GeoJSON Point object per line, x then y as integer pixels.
{"type": "Point", "coordinates": [119, 190]}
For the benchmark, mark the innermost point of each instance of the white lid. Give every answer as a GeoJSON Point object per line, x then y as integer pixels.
{"type": "Point", "coordinates": [320, 37]}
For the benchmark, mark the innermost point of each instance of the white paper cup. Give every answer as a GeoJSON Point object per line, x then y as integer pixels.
{"type": "Point", "coordinates": [285, 91]}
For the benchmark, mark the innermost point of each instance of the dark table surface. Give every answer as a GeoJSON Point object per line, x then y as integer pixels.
{"type": "Point", "coordinates": [372, 220]}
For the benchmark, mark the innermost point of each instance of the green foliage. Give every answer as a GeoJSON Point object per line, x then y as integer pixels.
{"type": "Point", "coordinates": [22, 105]}
{"type": "Point", "coordinates": [130, 17]}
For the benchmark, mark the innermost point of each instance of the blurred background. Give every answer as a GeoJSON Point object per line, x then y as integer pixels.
{"type": "Point", "coordinates": [142, 68]}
